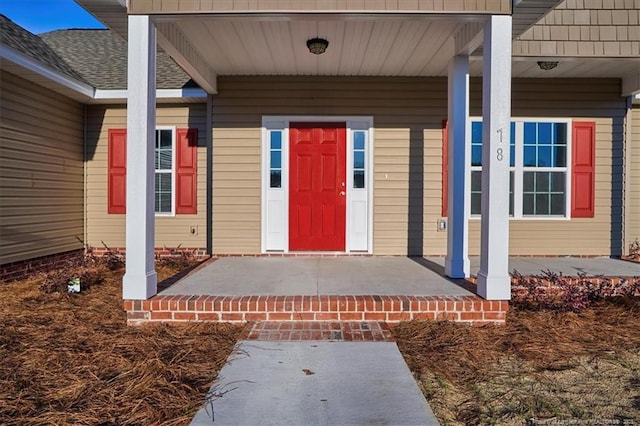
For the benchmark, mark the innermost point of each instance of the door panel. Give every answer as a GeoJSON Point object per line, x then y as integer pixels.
{"type": "Point", "coordinates": [317, 179]}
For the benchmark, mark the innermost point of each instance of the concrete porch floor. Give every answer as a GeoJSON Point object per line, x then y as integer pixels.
{"type": "Point", "coordinates": [314, 276]}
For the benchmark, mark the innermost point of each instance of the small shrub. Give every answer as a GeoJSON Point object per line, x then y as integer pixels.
{"type": "Point", "coordinates": [178, 258]}
{"type": "Point", "coordinates": [112, 258]}
{"type": "Point", "coordinates": [634, 250]}
{"type": "Point", "coordinates": [557, 292]}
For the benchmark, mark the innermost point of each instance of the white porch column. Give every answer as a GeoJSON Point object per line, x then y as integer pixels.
{"type": "Point", "coordinates": [457, 260]}
{"type": "Point", "coordinates": [493, 278]}
{"type": "Point", "coordinates": [140, 279]}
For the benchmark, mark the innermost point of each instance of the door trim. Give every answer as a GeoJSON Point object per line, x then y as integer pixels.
{"type": "Point", "coordinates": [275, 201]}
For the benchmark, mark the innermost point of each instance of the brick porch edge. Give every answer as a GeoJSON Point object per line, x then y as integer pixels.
{"type": "Point", "coordinates": [239, 309]}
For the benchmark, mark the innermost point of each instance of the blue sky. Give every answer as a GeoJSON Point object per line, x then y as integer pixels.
{"type": "Point", "coordinates": [39, 16]}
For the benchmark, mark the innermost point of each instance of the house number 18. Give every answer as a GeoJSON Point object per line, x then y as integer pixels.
{"type": "Point", "coordinates": [499, 152]}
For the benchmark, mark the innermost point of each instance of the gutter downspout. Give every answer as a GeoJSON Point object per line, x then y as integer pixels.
{"type": "Point", "coordinates": [209, 178]}
{"type": "Point", "coordinates": [626, 177]}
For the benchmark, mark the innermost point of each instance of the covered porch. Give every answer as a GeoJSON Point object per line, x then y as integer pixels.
{"type": "Point", "coordinates": [358, 39]}
{"type": "Point", "coordinates": [361, 39]}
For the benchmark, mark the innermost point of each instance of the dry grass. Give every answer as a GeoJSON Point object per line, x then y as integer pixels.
{"type": "Point", "coordinates": [541, 365]}
{"type": "Point", "coordinates": [71, 359]}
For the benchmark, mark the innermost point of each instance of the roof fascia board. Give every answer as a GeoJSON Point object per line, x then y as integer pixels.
{"type": "Point", "coordinates": [162, 95]}
{"type": "Point", "coordinates": [24, 61]}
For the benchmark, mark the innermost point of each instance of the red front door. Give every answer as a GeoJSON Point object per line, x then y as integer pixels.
{"type": "Point", "coordinates": [317, 196]}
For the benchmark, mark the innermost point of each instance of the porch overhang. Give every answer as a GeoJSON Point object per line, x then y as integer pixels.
{"type": "Point", "coordinates": [367, 38]}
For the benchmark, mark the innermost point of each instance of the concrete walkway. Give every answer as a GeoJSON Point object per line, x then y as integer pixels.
{"type": "Point", "coordinates": [315, 383]}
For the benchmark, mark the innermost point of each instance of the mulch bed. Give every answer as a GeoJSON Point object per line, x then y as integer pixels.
{"type": "Point", "coordinates": [71, 358]}
{"type": "Point", "coordinates": [543, 364]}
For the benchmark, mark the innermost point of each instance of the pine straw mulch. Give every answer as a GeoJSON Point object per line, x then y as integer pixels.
{"type": "Point", "coordinates": [71, 359]}
{"type": "Point", "coordinates": [542, 367]}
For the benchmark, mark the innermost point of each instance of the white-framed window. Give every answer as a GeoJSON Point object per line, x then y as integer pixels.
{"type": "Point", "coordinates": [539, 177]}
{"type": "Point", "coordinates": [164, 157]}
{"type": "Point", "coordinates": [275, 159]}
{"type": "Point", "coordinates": [359, 154]}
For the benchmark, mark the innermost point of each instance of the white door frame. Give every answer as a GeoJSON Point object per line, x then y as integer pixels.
{"type": "Point", "coordinates": [275, 201]}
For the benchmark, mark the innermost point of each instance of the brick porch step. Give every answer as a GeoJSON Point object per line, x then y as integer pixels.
{"type": "Point", "coordinates": [240, 309]}
{"type": "Point", "coordinates": [344, 331]}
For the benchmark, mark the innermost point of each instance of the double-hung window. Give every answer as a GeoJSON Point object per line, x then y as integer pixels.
{"type": "Point", "coordinates": [539, 178]}
{"type": "Point", "coordinates": [164, 165]}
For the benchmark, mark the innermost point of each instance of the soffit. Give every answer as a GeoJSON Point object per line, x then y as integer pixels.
{"type": "Point", "coordinates": [364, 46]}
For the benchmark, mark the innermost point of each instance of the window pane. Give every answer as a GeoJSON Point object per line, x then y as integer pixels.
{"type": "Point", "coordinates": [358, 179]}
{"type": "Point", "coordinates": [557, 204]}
{"type": "Point", "coordinates": [557, 182]}
{"type": "Point", "coordinates": [511, 174]}
{"type": "Point", "coordinates": [358, 160]}
{"type": "Point", "coordinates": [560, 156]}
{"type": "Point", "coordinates": [542, 204]}
{"type": "Point", "coordinates": [476, 155]}
{"type": "Point", "coordinates": [358, 140]}
{"type": "Point", "coordinates": [542, 181]}
{"type": "Point", "coordinates": [164, 160]}
{"type": "Point", "coordinates": [476, 191]}
{"type": "Point", "coordinates": [164, 137]}
{"type": "Point", "coordinates": [276, 179]}
{"type": "Point", "coordinates": [528, 181]}
{"type": "Point", "coordinates": [276, 140]}
{"type": "Point", "coordinates": [276, 159]}
{"type": "Point", "coordinates": [544, 133]}
{"type": "Point", "coordinates": [529, 156]}
{"type": "Point", "coordinates": [560, 130]}
{"type": "Point", "coordinates": [512, 156]}
{"type": "Point", "coordinates": [163, 182]}
{"type": "Point", "coordinates": [476, 132]}
{"type": "Point", "coordinates": [476, 181]}
{"type": "Point", "coordinates": [530, 137]}
{"type": "Point", "coordinates": [476, 200]}
{"type": "Point", "coordinates": [527, 204]}
{"type": "Point", "coordinates": [163, 193]}
{"type": "Point", "coordinates": [544, 156]}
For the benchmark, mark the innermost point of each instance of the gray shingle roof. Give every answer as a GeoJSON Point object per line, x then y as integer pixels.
{"type": "Point", "coordinates": [14, 36]}
{"type": "Point", "coordinates": [96, 57]}
{"type": "Point", "coordinates": [100, 57]}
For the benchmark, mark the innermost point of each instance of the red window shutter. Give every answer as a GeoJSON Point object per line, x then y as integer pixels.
{"type": "Point", "coordinates": [186, 171]}
{"type": "Point", "coordinates": [583, 169]}
{"type": "Point", "coordinates": [445, 169]}
{"type": "Point", "coordinates": [117, 171]}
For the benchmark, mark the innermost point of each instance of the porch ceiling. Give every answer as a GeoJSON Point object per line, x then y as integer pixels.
{"type": "Point", "coordinates": [388, 46]}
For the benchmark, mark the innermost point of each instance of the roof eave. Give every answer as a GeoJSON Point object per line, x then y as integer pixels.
{"type": "Point", "coordinates": [60, 82]}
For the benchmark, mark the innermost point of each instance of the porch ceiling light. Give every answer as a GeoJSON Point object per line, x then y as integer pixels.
{"type": "Point", "coordinates": [317, 46]}
{"type": "Point", "coordinates": [547, 65]}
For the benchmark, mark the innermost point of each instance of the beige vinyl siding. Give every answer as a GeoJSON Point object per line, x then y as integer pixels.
{"type": "Point", "coordinates": [406, 111]}
{"type": "Point", "coordinates": [110, 228]}
{"type": "Point", "coordinates": [41, 171]}
{"type": "Point", "coordinates": [580, 100]}
{"type": "Point", "coordinates": [237, 6]}
{"type": "Point", "coordinates": [633, 226]}
{"type": "Point", "coordinates": [408, 114]}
